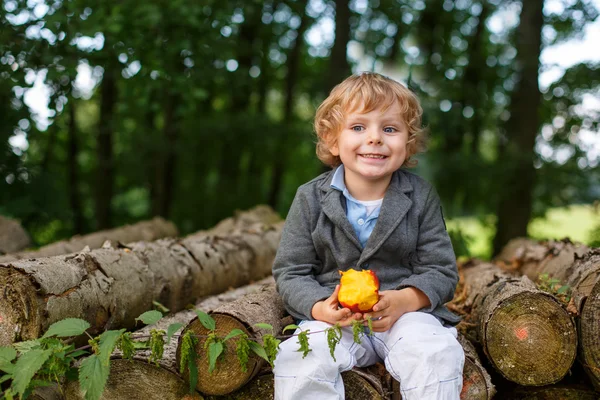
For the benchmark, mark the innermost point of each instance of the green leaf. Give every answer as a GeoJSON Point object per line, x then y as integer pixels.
{"type": "Point", "coordinates": [5, 377]}
{"type": "Point", "coordinates": [234, 333]}
{"type": "Point", "coordinates": [67, 327]}
{"type": "Point", "coordinates": [261, 325]}
{"type": "Point", "coordinates": [562, 289]}
{"type": "Point", "coordinates": [26, 367]}
{"type": "Point", "coordinates": [206, 320]}
{"type": "Point", "coordinates": [150, 317]}
{"type": "Point", "coordinates": [93, 374]}
{"type": "Point", "coordinates": [193, 368]}
{"type": "Point", "coordinates": [214, 351]}
{"type": "Point", "coordinates": [291, 327]}
{"type": "Point", "coordinates": [24, 347]}
{"type": "Point", "coordinates": [160, 307]}
{"type": "Point", "coordinates": [258, 350]}
{"type": "Point", "coordinates": [172, 329]}
{"type": "Point", "coordinates": [108, 341]}
{"type": "Point", "coordinates": [7, 355]}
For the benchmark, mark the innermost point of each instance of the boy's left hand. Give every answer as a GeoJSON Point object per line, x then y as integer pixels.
{"type": "Point", "coordinates": [393, 304]}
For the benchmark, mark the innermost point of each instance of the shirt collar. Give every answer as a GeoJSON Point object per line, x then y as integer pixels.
{"type": "Point", "coordinates": [337, 182]}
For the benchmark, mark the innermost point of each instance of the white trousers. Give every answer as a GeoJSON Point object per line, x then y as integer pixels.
{"type": "Point", "coordinates": [418, 351]}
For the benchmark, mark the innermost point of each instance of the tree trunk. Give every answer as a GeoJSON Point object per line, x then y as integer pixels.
{"type": "Point", "coordinates": [154, 229]}
{"type": "Point", "coordinates": [105, 173]}
{"type": "Point", "coordinates": [261, 214]}
{"type": "Point", "coordinates": [110, 287]}
{"type": "Point", "coordinates": [339, 68]}
{"type": "Point", "coordinates": [516, 193]}
{"type": "Point", "coordinates": [262, 307]}
{"type": "Point", "coordinates": [72, 167]}
{"type": "Point", "coordinates": [526, 334]}
{"type": "Point", "coordinates": [12, 236]}
{"type": "Point", "coordinates": [573, 265]}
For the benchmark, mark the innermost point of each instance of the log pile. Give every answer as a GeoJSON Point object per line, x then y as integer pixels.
{"type": "Point", "coordinates": [109, 287]}
{"type": "Point", "coordinates": [520, 341]}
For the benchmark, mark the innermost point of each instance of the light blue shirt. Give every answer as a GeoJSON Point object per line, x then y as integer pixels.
{"type": "Point", "coordinates": [355, 211]}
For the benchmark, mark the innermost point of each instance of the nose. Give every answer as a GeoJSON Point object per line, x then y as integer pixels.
{"type": "Point", "coordinates": [374, 137]}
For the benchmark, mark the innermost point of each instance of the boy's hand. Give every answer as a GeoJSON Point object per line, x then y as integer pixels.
{"type": "Point", "coordinates": [328, 311]}
{"type": "Point", "coordinates": [393, 304]}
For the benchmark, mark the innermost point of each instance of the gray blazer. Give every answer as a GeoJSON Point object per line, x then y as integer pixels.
{"type": "Point", "coordinates": [409, 245]}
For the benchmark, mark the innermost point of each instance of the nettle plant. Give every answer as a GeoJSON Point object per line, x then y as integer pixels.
{"type": "Point", "coordinates": [52, 359]}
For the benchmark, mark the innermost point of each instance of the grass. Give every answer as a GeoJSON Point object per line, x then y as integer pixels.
{"type": "Point", "coordinates": [575, 222]}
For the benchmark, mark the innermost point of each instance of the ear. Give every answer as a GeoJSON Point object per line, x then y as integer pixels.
{"type": "Point", "coordinates": [334, 149]}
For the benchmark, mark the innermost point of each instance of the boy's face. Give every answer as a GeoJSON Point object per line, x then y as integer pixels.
{"type": "Point", "coordinates": [371, 146]}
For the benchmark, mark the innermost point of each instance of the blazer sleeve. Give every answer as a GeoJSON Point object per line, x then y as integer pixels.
{"type": "Point", "coordinates": [296, 262]}
{"type": "Point", "coordinates": [434, 263]}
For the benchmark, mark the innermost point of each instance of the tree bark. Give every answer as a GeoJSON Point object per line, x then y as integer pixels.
{"type": "Point", "coordinates": [228, 376]}
{"type": "Point", "coordinates": [110, 287]}
{"type": "Point", "coordinates": [516, 194]}
{"type": "Point", "coordinates": [526, 334]}
{"type": "Point", "coordinates": [12, 236]}
{"type": "Point", "coordinates": [261, 214]}
{"type": "Point", "coordinates": [154, 229]}
{"type": "Point", "coordinates": [106, 168]}
{"type": "Point", "coordinates": [532, 258]}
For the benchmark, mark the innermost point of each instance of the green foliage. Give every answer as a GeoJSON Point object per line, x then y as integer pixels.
{"type": "Point", "coordinates": [26, 367]}
{"type": "Point", "coordinates": [188, 357]}
{"type": "Point", "coordinates": [157, 345]}
{"type": "Point", "coordinates": [206, 320]}
{"type": "Point", "coordinates": [554, 287]}
{"type": "Point", "coordinates": [242, 350]}
{"type": "Point", "coordinates": [370, 326]}
{"type": "Point", "coordinates": [271, 346]}
{"type": "Point", "coordinates": [358, 329]}
{"type": "Point", "coordinates": [303, 342]}
{"type": "Point", "coordinates": [67, 327]}
{"type": "Point", "coordinates": [93, 374]}
{"type": "Point", "coordinates": [334, 335]}
{"type": "Point", "coordinates": [126, 345]}
{"type": "Point", "coordinates": [214, 347]}
{"type": "Point", "coordinates": [150, 317]}
{"type": "Point", "coordinates": [106, 344]}
{"type": "Point", "coordinates": [171, 329]}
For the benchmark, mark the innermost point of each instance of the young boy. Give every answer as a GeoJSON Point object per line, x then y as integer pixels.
{"type": "Point", "coordinates": [367, 213]}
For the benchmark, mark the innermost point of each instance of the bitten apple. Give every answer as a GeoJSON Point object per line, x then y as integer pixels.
{"type": "Point", "coordinates": [359, 290]}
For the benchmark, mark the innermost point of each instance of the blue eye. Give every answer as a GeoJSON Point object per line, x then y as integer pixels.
{"type": "Point", "coordinates": [357, 128]}
{"type": "Point", "coordinates": [389, 129]}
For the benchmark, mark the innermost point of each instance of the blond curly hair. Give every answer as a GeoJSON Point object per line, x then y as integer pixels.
{"type": "Point", "coordinates": [367, 90]}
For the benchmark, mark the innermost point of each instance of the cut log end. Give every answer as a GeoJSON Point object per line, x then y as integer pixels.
{"type": "Point", "coordinates": [228, 375]}
{"type": "Point", "coordinates": [19, 311]}
{"type": "Point", "coordinates": [531, 320]}
{"type": "Point", "coordinates": [138, 380]}
{"type": "Point", "coordinates": [589, 335]}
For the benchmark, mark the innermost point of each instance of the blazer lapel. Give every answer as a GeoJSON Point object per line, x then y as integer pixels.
{"type": "Point", "coordinates": [332, 206]}
{"type": "Point", "coordinates": [393, 209]}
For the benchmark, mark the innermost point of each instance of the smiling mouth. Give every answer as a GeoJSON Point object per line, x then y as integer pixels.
{"type": "Point", "coordinates": [375, 156]}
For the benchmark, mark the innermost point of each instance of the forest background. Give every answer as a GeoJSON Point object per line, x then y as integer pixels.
{"type": "Point", "coordinates": [114, 112]}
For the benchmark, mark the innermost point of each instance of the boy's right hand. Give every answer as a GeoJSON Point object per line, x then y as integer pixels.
{"type": "Point", "coordinates": [328, 311]}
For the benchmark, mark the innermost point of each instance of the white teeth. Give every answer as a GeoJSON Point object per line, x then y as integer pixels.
{"type": "Point", "coordinates": [373, 156]}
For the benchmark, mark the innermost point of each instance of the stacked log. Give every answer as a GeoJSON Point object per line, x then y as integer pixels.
{"type": "Point", "coordinates": [579, 268]}
{"type": "Point", "coordinates": [12, 236]}
{"type": "Point", "coordinates": [129, 378]}
{"type": "Point", "coordinates": [525, 333]}
{"type": "Point", "coordinates": [154, 229]}
{"type": "Point", "coordinates": [111, 286]}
